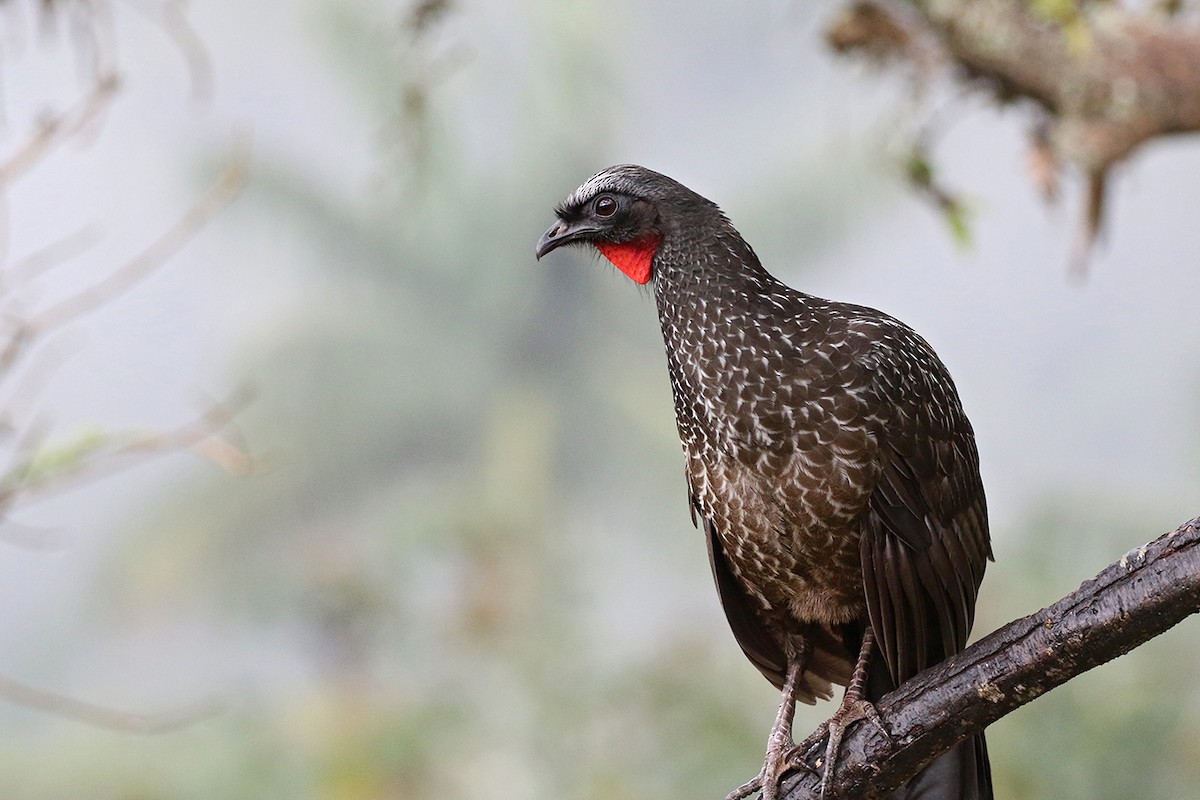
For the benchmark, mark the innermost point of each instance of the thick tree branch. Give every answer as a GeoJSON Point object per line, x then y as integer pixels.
{"type": "Point", "coordinates": [1114, 78]}
{"type": "Point", "coordinates": [1146, 592]}
{"type": "Point", "coordinates": [1107, 78]}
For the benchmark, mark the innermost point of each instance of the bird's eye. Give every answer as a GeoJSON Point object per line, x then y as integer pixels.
{"type": "Point", "coordinates": [605, 206]}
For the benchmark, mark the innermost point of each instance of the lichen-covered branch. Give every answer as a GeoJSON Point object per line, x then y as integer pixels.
{"type": "Point", "coordinates": [1146, 592]}
{"type": "Point", "coordinates": [1113, 78]}
{"type": "Point", "coordinates": [1107, 78]}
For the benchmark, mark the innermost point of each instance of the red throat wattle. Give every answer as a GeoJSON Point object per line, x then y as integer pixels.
{"type": "Point", "coordinates": [632, 258]}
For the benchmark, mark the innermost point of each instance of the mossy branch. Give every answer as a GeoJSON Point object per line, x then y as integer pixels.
{"type": "Point", "coordinates": [1105, 78]}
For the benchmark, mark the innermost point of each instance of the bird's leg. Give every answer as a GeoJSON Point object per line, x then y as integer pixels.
{"type": "Point", "coordinates": [852, 709]}
{"type": "Point", "coordinates": [780, 742]}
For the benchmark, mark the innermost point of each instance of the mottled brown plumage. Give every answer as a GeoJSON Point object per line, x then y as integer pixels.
{"type": "Point", "coordinates": [828, 458]}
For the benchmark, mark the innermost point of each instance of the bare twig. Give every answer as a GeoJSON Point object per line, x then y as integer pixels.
{"type": "Point", "coordinates": [51, 256]}
{"type": "Point", "coordinates": [1091, 224]}
{"type": "Point", "coordinates": [54, 128]}
{"type": "Point", "coordinates": [104, 456]}
{"type": "Point", "coordinates": [222, 192]}
{"type": "Point", "coordinates": [1142, 595]}
{"type": "Point", "coordinates": [171, 16]}
{"type": "Point", "coordinates": [21, 332]}
{"type": "Point", "coordinates": [29, 440]}
{"type": "Point", "coordinates": [42, 700]}
{"type": "Point", "coordinates": [93, 33]}
{"type": "Point", "coordinates": [17, 339]}
{"type": "Point", "coordinates": [37, 465]}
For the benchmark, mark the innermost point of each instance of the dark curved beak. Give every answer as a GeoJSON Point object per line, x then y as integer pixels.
{"type": "Point", "coordinates": [561, 233]}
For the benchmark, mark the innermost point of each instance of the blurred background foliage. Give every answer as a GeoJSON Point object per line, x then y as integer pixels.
{"type": "Point", "coordinates": [465, 568]}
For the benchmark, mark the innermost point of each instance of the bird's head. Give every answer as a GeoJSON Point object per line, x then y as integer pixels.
{"type": "Point", "coordinates": [625, 212]}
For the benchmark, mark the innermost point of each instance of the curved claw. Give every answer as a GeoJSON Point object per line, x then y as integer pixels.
{"type": "Point", "coordinates": [847, 715]}
{"type": "Point", "coordinates": [797, 756]}
{"type": "Point", "coordinates": [852, 709]}
{"type": "Point", "coordinates": [778, 762]}
{"type": "Point", "coordinates": [746, 789]}
{"type": "Point", "coordinates": [779, 743]}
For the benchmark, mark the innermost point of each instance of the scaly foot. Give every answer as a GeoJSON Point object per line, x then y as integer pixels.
{"type": "Point", "coordinates": [779, 743]}
{"type": "Point", "coordinates": [852, 709]}
{"type": "Point", "coordinates": [775, 764]}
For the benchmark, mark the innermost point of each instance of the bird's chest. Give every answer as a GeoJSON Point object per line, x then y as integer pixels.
{"type": "Point", "coordinates": [792, 544]}
{"type": "Point", "coordinates": [780, 449]}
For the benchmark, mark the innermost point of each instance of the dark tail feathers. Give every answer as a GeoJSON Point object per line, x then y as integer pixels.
{"type": "Point", "coordinates": [961, 774]}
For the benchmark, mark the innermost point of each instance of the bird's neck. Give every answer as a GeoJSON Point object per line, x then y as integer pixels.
{"type": "Point", "coordinates": [706, 277]}
{"type": "Point", "coordinates": [713, 297]}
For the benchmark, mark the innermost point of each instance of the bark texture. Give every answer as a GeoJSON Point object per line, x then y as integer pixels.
{"type": "Point", "coordinates": [1106, 78]}
{"type": "Point", "coordinates": [1146, 592]}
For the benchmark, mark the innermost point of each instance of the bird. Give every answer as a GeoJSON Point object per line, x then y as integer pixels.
{"type": "Point", "coordinates": [829, 463]}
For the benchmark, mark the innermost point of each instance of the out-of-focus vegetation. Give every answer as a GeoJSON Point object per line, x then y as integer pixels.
{"type": "Point", "coordinates": [467, 571]}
